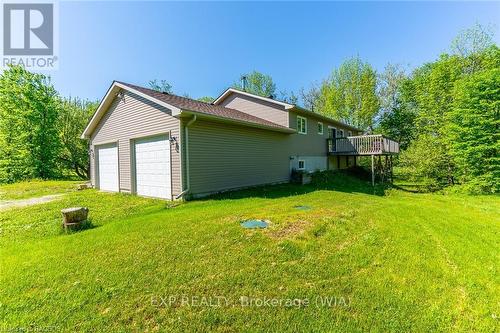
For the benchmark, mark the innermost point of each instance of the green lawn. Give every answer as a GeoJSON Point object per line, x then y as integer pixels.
{"type": "Point", "coordinates": [36, 188]}
{"type": "Point", "coordinates": [395, 261]}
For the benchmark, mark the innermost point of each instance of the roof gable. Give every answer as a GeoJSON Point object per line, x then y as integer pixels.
{"type": "Point", "coordinates": [177, 105]}
{"type": "Point", "coordinates": [106, 102]}
{"type": "Point", "coordinates": [287, 106]}
{"type": "Point", "coordinates": [230, 91]}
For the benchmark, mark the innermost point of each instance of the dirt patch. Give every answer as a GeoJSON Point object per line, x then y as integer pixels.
{"type": "Point", "coordinates": [6, 204]}
{"type": "Point", "coordinates": [290, 230]}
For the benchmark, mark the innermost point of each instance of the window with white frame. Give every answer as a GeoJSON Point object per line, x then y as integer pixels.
{"type": "Point", "coordinates": [320, 128]}
{"type": "Point", "coordinates": [301, 125]}
{"type": "Point", "coordinates": [302, 165]}
{"type": "Point", "coordinates": [349, 133]}
{"type": "Point", "coordinates": [341, 133]}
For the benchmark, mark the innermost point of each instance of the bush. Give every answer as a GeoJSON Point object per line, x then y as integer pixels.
{"type": "Point", "coordinates": [426, 162]}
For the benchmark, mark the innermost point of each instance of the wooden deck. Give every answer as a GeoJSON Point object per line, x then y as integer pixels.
{"type": "Point", "coordinates": [362, 145]}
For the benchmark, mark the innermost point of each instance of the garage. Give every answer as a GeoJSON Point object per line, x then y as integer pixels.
{"type": "Point", "coordinates": [107, 157]}
{"type": "Point", "coordinates": [152, 167]}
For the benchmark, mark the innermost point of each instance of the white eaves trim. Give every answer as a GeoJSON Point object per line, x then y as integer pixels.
{"type": "Point", "coordinates": [237, 91]}
{"type": "Point", "coordinates": [108, 99]}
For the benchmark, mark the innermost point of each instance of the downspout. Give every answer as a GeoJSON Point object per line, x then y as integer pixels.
{"type": "Point", "coordinates": [170, 153]}
{"type": "Point", "coordinates": [91, 157]}
{"type": "Point", "coordinates": [186, 149]}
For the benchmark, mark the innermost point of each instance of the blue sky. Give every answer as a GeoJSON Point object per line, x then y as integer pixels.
{"type": "Point", "coordinates": [201, 48]}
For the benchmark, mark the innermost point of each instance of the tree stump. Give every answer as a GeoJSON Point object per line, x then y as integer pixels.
{"type": "Point", "coordinates": [74, 217]}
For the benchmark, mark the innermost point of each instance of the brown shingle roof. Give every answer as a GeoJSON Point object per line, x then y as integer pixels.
{"type": "Point", "coordinates": [189, 104]}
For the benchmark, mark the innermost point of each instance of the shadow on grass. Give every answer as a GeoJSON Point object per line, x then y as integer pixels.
{"type": "Point", "coordinates": [411, 188]}
{"type": "Point", "coordinates": [339, 181]}
{"type": "Point", "coordinates": [86, 225]}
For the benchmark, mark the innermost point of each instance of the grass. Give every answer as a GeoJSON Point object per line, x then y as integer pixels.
{"type": "Point", "coordinates": [395, 261]}
{"type": "Point", "coordinates": [35, 188]}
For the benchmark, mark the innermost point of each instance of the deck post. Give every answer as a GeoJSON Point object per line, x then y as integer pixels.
{"type": "Point", "coordinates": [380, 169]}
{"type": "Point", "coordinates": [373, 172]}
{"type": "Point", "coordinates": [390, 166]}
{"type": "Point", "coordinates": [386, 168]}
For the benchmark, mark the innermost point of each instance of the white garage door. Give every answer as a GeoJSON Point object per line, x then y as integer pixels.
{"type": "Point", "coordinates": [108, 168]}
{"type": "Point", "coordinates": [152, 167]}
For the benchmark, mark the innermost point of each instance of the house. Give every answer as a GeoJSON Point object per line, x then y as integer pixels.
{"type": "Point", "coordinates": [161, 145]}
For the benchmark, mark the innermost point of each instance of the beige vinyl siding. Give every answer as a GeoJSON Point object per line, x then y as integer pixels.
{"type": "Point", "coordinates": [259, 108]}
{"type": "Point", "coordinates": [224, 156]}
{"type": "Point", "coordinates": [132, 118]}
{"type": "Point", "coordinates": [312, 143]}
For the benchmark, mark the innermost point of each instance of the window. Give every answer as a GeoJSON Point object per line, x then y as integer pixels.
{"type": "Point", "coordinates": [301, 125]}
{"type": "Point", "coordinates": [332, 132]}
{"type": "Point", "coordinates": [341, 133]}
{"type": "Point", "coordinates": [320, 128]}
{"type": "Point", "coordinates": [349, 133]}
{"type": "Point", "coordinates": [302, 164]}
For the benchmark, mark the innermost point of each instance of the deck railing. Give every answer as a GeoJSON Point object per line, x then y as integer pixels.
{"type": "Point", "coordinates": [362, 145]}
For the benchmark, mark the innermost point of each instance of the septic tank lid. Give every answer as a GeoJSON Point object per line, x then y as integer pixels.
{"type": "Point", "coordinates": [255, 224]}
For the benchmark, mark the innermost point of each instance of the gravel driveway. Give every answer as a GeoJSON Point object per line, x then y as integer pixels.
{"type": "Point", "coordinates": [6, 204]}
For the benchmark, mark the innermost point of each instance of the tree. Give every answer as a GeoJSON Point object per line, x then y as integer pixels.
{"type": "Point", "coordinates": [288, 97]}
{"type": "Point", "coordinates": [390, 82]}
{"type": "Point", "coordinates": [474, 130]}
{"type": "Point", "coordinates": [161, 86]}
{"type": "Point", "coordinates": [470, 44]}
{"type": "Point", "coordinates": [397, 114]}
{"type": "Point", "coordinates": [473, 40]}
{"type": "Point", "coordinates": [440, 98]}
{"type": "Point", "coordinates": [350, 94]}
{"type": "Point", "coordinates": [431, 90]}
{"type": "Point", "coordinates": [256, 83]}
{"type": "Point", "coordinates": [206, 99]}
{"type": "Point", "coordinates": [29, 144]}
{"type": "Point", "coordinates": [312, 98]}
{"type": "Point", "coordinates": [74, 116]}
{"type": "Point", "coordinates": [399, 124]}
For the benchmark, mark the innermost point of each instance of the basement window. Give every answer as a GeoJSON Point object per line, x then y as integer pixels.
{"type": "Point", "coordinates": [301, 125]}
{"type": "Point", "coordinates": [302, 165]}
